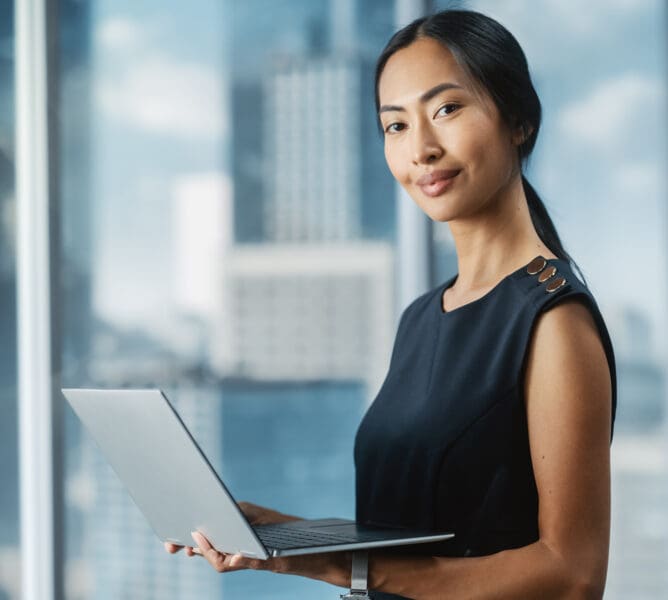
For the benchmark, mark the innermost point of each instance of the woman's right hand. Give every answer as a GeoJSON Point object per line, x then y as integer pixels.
{"type": "Point", "coordinates": [256, 515]}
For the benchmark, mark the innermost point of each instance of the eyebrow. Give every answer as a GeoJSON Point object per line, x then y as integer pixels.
{"type": "Point", "coordinates": [428, 95]}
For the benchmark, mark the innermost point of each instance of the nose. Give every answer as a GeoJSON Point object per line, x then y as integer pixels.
{"type": "Point", "coordinates": [427, 148]}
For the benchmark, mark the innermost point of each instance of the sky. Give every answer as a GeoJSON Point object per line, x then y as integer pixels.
{"type": "Point", "coordinates": [160, 113]}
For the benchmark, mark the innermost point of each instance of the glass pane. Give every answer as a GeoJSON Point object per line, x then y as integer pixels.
{"type": "Point", "coordinates": [10, 570]}
{"type": "Point", "coordinates": [227, 235]}
{"type": "Point", "coordinates": [599, 166]}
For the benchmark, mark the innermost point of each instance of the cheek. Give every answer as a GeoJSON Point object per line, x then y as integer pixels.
{"type": "Point", "coordinates": [469, 143]}
{"type": "Point", "coordinates": [484, 150]}
{"type": "Point", "coordinates": [395, 163]}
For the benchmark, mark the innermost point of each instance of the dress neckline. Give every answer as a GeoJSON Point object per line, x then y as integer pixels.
{"type": "Point", "coordinates": [464, 307]}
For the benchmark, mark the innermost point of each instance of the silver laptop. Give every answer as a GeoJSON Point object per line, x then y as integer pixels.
{"type": "Point", "coordinates": [176, 488]}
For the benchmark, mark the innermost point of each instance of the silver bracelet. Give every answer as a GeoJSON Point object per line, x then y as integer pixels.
{"type": "Point", "coordinates": [358, 577]}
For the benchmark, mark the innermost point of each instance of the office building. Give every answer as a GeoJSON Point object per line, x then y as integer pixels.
{"type": "Point", "coordinates": [306, 312]}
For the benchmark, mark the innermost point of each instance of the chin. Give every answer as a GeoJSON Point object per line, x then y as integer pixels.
{"type": "Point", "coordinates": [443, 209]}
{"type": "Point", "coordinates": [442, 219]}
{"type": "Point", "coordinates": [439, 216]}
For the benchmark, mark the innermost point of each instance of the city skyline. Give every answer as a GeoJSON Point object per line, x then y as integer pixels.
{"type": "Point", "coordinates": [576, 115]}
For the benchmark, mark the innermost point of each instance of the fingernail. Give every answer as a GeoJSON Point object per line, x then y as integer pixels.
{"type": "Point", "coordinates": [194, 536]}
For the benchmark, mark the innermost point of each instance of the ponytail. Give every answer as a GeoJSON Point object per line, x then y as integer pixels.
{"type": "Point", "coordinates": [545, 227]}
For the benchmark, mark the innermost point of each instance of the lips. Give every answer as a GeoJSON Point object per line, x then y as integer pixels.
{"type": "Point", "coordinates": [435, 176]}
{"type": "Point", "coordinates": [435, 183]}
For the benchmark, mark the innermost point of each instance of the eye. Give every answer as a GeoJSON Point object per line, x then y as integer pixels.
{"type": "Point", "coordinates": [394, 127]}
{"type": "Point", "coordinates": [447, 109]}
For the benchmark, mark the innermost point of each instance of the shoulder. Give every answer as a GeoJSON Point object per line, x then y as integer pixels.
{"type": "Point", "coordinates": [565, 324]}
{"type": "Point", "coordinates": [568, 377]}
{"type": "Point", "coordinates": [566, 334]}
{"type": "Point", "coordinates": [543, 284]}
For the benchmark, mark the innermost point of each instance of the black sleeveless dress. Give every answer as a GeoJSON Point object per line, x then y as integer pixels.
{"type": "Point", "coordinates": [445, 445]}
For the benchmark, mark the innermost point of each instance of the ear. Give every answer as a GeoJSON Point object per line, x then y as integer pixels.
{"type": "Point", "coordinates": [521, 133]}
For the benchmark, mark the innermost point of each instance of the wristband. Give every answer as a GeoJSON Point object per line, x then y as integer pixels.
{"type": "Point", "coordinates": [358, 577]}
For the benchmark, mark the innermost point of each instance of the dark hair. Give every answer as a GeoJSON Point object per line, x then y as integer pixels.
{"type": "Point", "coordinates": [494, 61]}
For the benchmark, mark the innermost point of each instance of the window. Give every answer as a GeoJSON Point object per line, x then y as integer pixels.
{"type": "Point", "coordinates": [221, 240]}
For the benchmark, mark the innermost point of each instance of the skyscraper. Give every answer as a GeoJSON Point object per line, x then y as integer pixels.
{"type": "Point", "coordinates": [308, 163]}
{"type": "Point", "coordinates": [313, 158]}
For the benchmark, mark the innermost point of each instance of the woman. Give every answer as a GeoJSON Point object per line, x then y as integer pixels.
{"type": "Point", "coordinates": [496, 415]}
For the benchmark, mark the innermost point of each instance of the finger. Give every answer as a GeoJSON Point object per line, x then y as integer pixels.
{"type": "Point", "coordinates": [229, 567]}
{"type": "Point", "coordinates": [172, 548]}
{"type": "Point", "coordinates": [218, 561]}
{"type": "Point", "coordinates": [243, 562]}
{"type": "Point", "coordinates": [202, 543]}
{"type": "Point", "coordinates": [240, 562]}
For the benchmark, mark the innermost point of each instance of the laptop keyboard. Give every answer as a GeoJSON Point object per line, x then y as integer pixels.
{"type": "Point", "coordinates": [290, 537]}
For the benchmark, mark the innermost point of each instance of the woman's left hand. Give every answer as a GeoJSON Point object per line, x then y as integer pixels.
{"type": "Point", "coordinates": [331, 567]}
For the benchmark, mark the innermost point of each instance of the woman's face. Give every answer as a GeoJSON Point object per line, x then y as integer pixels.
{"type": "Point", "coordinates": [447, 147]}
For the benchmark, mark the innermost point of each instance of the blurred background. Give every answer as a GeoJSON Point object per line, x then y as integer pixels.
{"type": "Point", "coordinates": [226, 228]}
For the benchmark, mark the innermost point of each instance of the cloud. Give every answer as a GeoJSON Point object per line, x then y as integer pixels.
{"type": "Point", "coordinates": [118, 33]}
{"type": "Point", "coordinates": [581, 18]}
{"type": "Point", "coordinates": [644, 179]}
{"type": "Point", "coordinates": [162, 95]}
{"type": "Point", "coordinates": [619, 114]}
{"type": "Point", "coordinates": [585, 18]}
{"type": "Point", "coordinates": [563, 30]}
{"type": "Point", "coordinates": [137, 82]}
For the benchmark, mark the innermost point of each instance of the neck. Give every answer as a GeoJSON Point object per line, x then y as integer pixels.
{"type": "Point", "coordinates": [497, 240]}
